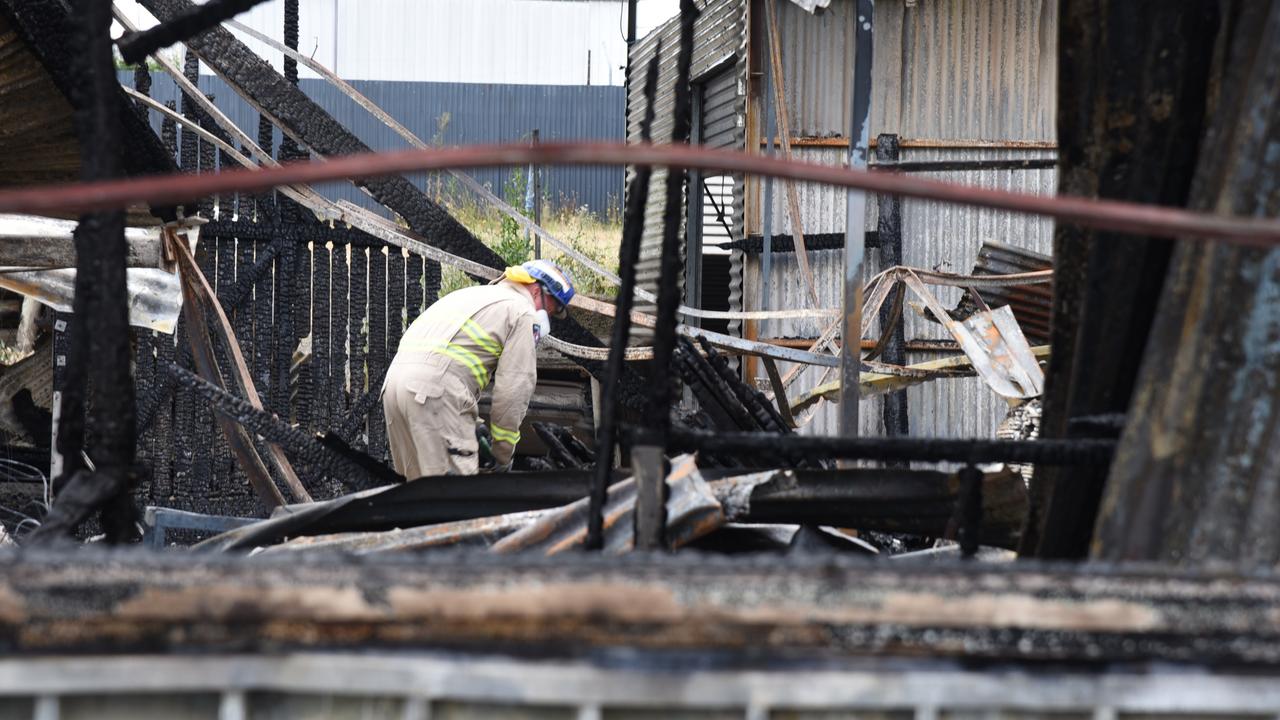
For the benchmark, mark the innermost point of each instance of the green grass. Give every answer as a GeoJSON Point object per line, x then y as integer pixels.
{"type": "Point", "coordinates": [592, 236]}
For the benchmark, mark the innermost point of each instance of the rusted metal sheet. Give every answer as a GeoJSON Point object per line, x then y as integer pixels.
{"type": "Point", "coordinates": [1032, 304]}
{"type": "Point", "coordinates": [994, 343]}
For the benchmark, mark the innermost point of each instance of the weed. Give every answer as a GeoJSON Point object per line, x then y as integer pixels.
{"type": "Point", "coordinates": [576, 225]}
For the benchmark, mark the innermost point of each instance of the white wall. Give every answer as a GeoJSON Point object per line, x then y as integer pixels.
{"type": "Point", "coordinates": [542, 42]}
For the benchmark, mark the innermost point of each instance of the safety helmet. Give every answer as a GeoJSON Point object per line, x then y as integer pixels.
{"type": "Point", "coordinates": [548, 275]}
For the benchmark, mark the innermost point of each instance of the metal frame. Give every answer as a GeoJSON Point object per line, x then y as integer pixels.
{"type": "Point", "coordinates": [921, 689]}
{"type": "Point", "coordinates": [855, 221]}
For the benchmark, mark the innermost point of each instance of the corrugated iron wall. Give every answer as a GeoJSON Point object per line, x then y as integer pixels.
{"type": "Point", "coordinates": [947, 73]}
{"type": "Point", "coordinates": [457, 114]}
{"type": "Point", "coordinates": [965, 69]}
{"type": "Point", "coordinates": [817, 64]}
{"type": "Point", "coordinates": [719, 43]}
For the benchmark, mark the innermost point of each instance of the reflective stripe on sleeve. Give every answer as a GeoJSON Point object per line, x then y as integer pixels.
{"type": "Point", "coordinates": [501, 434]}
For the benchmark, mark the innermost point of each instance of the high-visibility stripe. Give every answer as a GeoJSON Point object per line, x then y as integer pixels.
{"type": "Point", "coordinates": [468, 358]}
{"type": "Point", "coordinates": [502, 434]}
{"type": "Point", "coordinates": [481, 338]}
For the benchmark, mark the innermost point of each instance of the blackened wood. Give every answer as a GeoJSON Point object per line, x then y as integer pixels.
{"type": "Point", "coordinates": [628, 257]}
{"type": "Point", "coordinates": [1132, 91]}
{"type": "Point", "coordinates": [889, 230]}
{"type": "Point", "coordinates": [322, 371]}
{"type": "Point", "coordinates": [357, 335]}
{"type": "Point", "coordinates": [1196, 480]}
{"type": "Point", "coordinates": [339, 309]}
{"type": "Point", "coordinates": [378, 358]}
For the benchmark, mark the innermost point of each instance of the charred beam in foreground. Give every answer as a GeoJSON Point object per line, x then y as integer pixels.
{"type": "Point", "coordinates": [1040, 452]}
{"type": "Point", "coordinates": [890, 500]}
{"type": "Point", "coordinates": [615, 367]}
{"type": "Point", "coordinates": [1195, 479]}
{"type": "Point", "coordinates": [572, 606]}
{"type": "Point", "coordinates": [135, 47]}
{"type": "Point", "coordinates": [1115, 58]}
{"type": "Point", "coordinates": [99, 411]}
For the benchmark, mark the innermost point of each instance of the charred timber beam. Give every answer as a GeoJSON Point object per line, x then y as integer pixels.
{"type": "Point", "coordinates": [628, 257]}
{"type": "Point", "coordinates": [917, 166]}
{"type": "Point", "coordinates": [648, 460]}
{"type": "Point", "coordinates": [889, 229]}
{"type": "Point", "coordinates": [134, 48]}
{"type": "Point", "coordinates": [1041, 452]}
{"type": "Point", "coordinates": [575, 606]}
{"type": "Point", "coordinates": [99, 393]}
{"type": "Point", "coordinates": [887, 500]}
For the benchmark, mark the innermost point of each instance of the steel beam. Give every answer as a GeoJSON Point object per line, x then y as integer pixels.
{"type": "Point", "coordinates": [855, 222]}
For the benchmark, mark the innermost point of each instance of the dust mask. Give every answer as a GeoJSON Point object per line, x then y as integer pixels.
{"type": "Point", "coordinates": [541, 325]}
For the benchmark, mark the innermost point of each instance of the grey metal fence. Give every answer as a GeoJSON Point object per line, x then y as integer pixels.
{"type": "Point", "coordinates": [457, 114]}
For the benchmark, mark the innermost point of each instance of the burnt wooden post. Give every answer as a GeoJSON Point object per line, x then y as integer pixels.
{"type": "Point", "coordinates": [649, 456]}
{"type": "Point", "coordinates": [99, 353]}
{"type": "Point", "coordinates": [889, 231]}
{"type": "Point", "coordinates": [1114, 57]}
{"type": "Point", "coordinates": [1195, 478]}
{"type": "Point", "coordinates": [637, 197]}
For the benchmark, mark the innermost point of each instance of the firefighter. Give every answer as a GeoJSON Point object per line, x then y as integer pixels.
{"type": "Point", "coordinates": [451, 352]}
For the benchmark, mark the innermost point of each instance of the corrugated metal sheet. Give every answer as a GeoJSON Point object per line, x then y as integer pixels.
{"type": "Point", "coordinates": [721, 105]}
{"type": "Point", "coordinates": [719, 43]}
{"type": "Point", "coordinates": [527, 42]}
{"type": "Point", "coordinates": [963, 69]}
{"type": "Point", "coordinates": [456, 114]}
{"type": "Point", "coordinates": [955, 69]}
{"type": "Point", "coordinates": [817, 58]}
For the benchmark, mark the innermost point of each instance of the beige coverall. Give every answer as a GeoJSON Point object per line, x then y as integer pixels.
{"type": "Point", "coordinates": [447, 356]}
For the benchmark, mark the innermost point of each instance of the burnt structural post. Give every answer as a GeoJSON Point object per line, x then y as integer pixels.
{"type": "Point", "coordinates": [1195, 480]}
{"type": "Point", "coordinates": [970, 510]}
{"type": "Point", "coordinates": [889, 232]}
{"type": "Point", "coordinates": [855, 229]}
{"type": "Point", "coordinates": [649, 458]}
{"type": "Point", "coordinates": [628, 256]}
{"type": "Point", "coordinates": [1114, 57]}
{"type": "Point", "coordinates": [99, 357]}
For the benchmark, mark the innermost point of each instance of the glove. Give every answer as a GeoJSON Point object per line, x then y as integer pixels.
{"type": "Point", "coordinates": [496, 469]}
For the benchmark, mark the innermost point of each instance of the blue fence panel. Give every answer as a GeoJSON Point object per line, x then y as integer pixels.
{"type": "Point", "coordinates": [459, 114]}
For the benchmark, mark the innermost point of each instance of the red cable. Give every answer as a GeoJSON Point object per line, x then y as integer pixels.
{"type": "Point", "coordinates": [175, 189]}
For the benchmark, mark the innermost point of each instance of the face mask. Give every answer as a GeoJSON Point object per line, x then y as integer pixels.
{"type": "Point", "coordinates": [541, 325]}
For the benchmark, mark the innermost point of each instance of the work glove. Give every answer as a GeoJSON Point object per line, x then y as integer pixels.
{"type": "Point", "coordinates": [496, 469]}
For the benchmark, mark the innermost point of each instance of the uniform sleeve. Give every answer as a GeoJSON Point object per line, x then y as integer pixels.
{"type": "Point", "coordinates": [513, 384]}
